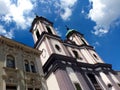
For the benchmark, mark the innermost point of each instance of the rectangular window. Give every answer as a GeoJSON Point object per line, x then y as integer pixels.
{"type": "Point", "coordinates": [11, 88]}
{"type": "Point", "coordinates": [27, 67]}
{"type": "Point", "coordinates": [33, 68]}
{"type": "Point", "coordinates": [37, 89]}
{"type": "Point", "coordinates": [10, 61]}
{"type": "Point", "coordinates": [119, 84]}
{"type": "Point", "coordinates": [30, 88]}
{"type": "Point", "coordinates": [77, 86]}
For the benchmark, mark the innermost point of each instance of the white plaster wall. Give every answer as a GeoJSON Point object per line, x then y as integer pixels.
{"type": "Point", "coordinates": [70, 49]}
{"type": "Point", "coordinates": [106, 80]}
{"type": "Point", "coordinates": [76, 40]}
{"type": "Point", "coordinates": [87, 56]}
{"type": "Point", "coordinates": [39, 66]}
{"type": "Point", "coordinates": [85, 41]}
{"type": "Point", "coordinates": [114, 78]}
{"type": "Point", "coordinates": [72, 74]}
{"type": "Point", "coordinates": [52, 83]}
{"type": "Point", "coordinates": [98, 60]}
{"type": "Point", "coordinates": [45, 29]}
{"type": "Point", "coordinates": [56, 42]}
{"type": "Point", "coordinates": [40, 27]}
{"type": "Point", "coordinates": [83, 58]}
{"type": "Point", "coordinates": [52, 29]}
{"type": "Point", "coordinates": [33, 34]}
{"type": "Point", "coordinates": [44, 59]}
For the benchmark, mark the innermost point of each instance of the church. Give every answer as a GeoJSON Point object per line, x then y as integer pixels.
{"type": "Point", "coordinates": [53, 63]}
{"type": "Point", "coordinates": [71, 64]}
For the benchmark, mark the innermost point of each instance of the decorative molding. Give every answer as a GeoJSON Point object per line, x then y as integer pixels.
{"type": "Point", "coordinates": [11, 75]}
{"type": "Point", "coordinates": [33, 79]}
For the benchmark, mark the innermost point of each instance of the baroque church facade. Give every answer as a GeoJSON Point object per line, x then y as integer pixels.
{"type": "Point", "coordinates": [53, 63]}
{"type": "Point", "coordinates": [71, 64]}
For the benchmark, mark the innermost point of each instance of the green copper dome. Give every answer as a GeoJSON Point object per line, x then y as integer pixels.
{"type": "Point", "coordinates": [69, 32]}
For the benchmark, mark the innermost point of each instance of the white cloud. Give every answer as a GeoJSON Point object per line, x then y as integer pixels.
{"type": "Point", "coordinates": [3, 7]}
{"type": "Point", "coordinates": [100, 30]}
{"type": "Point", "coordinates": [82, 11]}
{"type": "Point", "coordinates": [66, 8]}
{"type": "Point", "coordinates": [6, 33]}
{"type": "Point", "coordinates": [16, 12]}
{"type": "Point", "coordinates": [66, 14]}
{"type": "Point", "coordinates": [96, 44]}
{"type": "Point", "coordinates": [104, 13]}
{"type": "Point", "coordinates": [58, 32]}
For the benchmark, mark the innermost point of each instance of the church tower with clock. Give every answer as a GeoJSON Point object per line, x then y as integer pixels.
{"type": "Point", "coordinates": [71, 64]}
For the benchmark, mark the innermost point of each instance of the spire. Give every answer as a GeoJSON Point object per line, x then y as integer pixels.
{"type": "Point", "coordinates": [36, 15]}
{"type": "Point", "coordinates": [67, 27]}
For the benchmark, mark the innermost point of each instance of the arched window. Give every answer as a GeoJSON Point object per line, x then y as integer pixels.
{"type": "Point", "coordinates": [77, 86]}
{"type": "Point", "coordinates": [49, 30]}
{"type": "Point", "coordinates": [75, 54]}
{"type": "Point", "coordinates": [83, 41]}
{"type": "Point", "coordinates": [94, 81]}
{"type": "Point", "coordinates": [10, 61]}
{"type": "Point", "coordinates": [95, 56]}
{"type": "Point", "coordinates": [32, 65]}
{"type": "Point", "coordinates": [37, 34]}
{"type": "Point", "coordinates": [27, 68]}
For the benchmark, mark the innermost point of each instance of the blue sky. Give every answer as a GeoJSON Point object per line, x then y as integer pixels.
{"type": "Point", "coordinates": [98, 20]}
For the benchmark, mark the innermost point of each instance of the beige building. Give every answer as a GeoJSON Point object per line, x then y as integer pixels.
{"type": "Point", "coordinates": [20, 67]}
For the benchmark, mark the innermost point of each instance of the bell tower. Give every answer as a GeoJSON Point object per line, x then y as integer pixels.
{"type": "Point", "coordinates": [75, 37]}
{"type": "Point", "coordinates": [71, 64]}
{"type": "Point", "coordinates": [46, 39]}
{"type": "Point", "coordinates": [86, 53]}
{"type": "Point", "coordinates": [41, 25]}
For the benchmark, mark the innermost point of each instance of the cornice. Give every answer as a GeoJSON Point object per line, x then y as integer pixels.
{"type": "Point", "coordinates": [43, 35]}
{"type": "Point", "coordinates": [18, 46]}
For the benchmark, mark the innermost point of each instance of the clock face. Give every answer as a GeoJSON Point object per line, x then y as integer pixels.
{"type": "Point", "coordinates": [43, 53]}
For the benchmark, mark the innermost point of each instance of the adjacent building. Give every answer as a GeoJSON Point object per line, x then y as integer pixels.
{"type": "Point", "coordinates": [71, 64]}
{"type": "Point", "coordinates": [20, 67]}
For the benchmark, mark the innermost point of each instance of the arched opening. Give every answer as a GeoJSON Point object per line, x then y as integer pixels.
{"type": "Point", "coordinates": [83, 41]}
{"type": "Point", "coordinates": [37, 34]}
{"type": "Point", "coordinates": [94, 81]}
{"type": "Point", "coordinates": [49, 30]}
{"type": "Point", "coordinates": [27, 68]}
{"type": "Point", "coordinates": [32, 65]}
{"type": "Point", "coordinates": [77, 86]}
{"type": "Point", "coordinates": [10, 61]}
{"type": "Point", "coordinates": [75, 54]}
